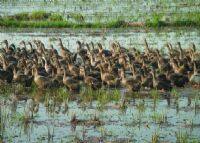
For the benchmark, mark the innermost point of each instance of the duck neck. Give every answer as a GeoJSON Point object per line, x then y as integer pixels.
{"type": "Point", "coordinates": [146, 47]}
{"type": "Point", "coordinates": [35, 72]}
{"type": "Point", "coordinates": [175, 66]}
{"type": "Point", "coordinates": [84, 73]}
{"type": "Point", "coordinates": [154, 79]}
{"type": "Point", "coordinates": [31, 47]}
{"type": "Point", "coordinates": [180, 51]}
{"type": "Point", "coordinates": [5, 64]}
{"type": "Point", "coordinates": [101, 71]}
{"type": "Point", "coordinates": [64, 76]}
{"type": "Point", "coordinates": [159, 63]}
{"type": "Point", "coordinates": [133, 71]}
{"type": "Point", "coordinates": [6, 45]}
{"type": "Point", "coordinates": [195, 68]}
{"type": "Point", "coordinates": [91, 59]}
{"type": "Point", "coordinates": [123, 74]}
{"type": "Point", "coordinates": [109, 66]}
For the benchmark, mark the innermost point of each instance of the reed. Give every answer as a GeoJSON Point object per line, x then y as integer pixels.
{"type": "Point", "coordinates": [182, 137]}
{"type": "Point", "coordinates": [159, 118]}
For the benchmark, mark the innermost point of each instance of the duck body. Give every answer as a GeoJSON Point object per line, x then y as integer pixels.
{"type": "Point", "coordinates": [41, 81]}
{"type": "Point", "coordinates": [70, 82]}
{"type": "Point", "coordinates": [130, 83]}
{"type": "Point", "coordinates": [195, 79]}
{"type": "Point", "coordinates": [178, 80]}
{"type": "Point", "coordinates": [6, 76]}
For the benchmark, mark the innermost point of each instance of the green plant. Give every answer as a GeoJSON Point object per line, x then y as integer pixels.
{"type": "Point", "coordinates": [154, 93]}
{"type": "Point", "coordinates": [77, 17]}
{"type": "Point", "coordinates": [182, 137]}
{"type": "Point", "coordinates": [155, 138]}
{"type": "Point", "coordinates": [55, 17]}
{"type": "Point", "coordinates": [141, 106]}
{"type": "Point", "coordinates": [159, 118]}
{"type": "Point", "coordinates": [39, 15]}
{"type": "Point", "coordinates": [20, 16]}
{"type": "Point", "coordinates": [116, 95]}
{"type": "Point", "coordinates": [155, 20]}
{"type": "Point", "coordinates": [62, 94]}
{"type": "Point", "coordinates": [175, 93]}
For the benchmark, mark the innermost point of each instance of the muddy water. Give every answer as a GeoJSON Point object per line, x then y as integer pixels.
{"type": "Point", "coordinates": [126, 37]}
{"type": "Point", "coordinates": [138, 121]}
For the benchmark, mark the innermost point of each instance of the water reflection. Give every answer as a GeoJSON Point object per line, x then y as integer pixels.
{"type": "Point", "coordinates": [46, 117]}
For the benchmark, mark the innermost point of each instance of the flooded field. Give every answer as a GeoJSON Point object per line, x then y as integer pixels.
{"type": "Point", "coordinates": [68, 75]}
{"type": "Point", "coordinates": [101, 11]}
{"type": "Point", "coordinates": [127, 37]}
{"type": "Point", "coordinates": [138, 117]}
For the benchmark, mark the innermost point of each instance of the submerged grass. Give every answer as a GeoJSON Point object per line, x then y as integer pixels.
{"type": "Point", "coordinates": [182, 137]}
{"type": "Point", "coordinates": [155, 138]}
{"type": "Point", "coordinates": [159, 118]}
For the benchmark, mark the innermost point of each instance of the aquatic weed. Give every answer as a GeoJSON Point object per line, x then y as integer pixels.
{"type": "Point", "coordinates": [154, 93]}
{"type": "Point", "coordinates": [155, 137]}
{"type": "Point", "coordinates": [62, 94]}
{"type": "Point", "coordinates": [159, 118]}
{"type": "Point", "coordinates": [181, 137]}
{"type": "Point", "coordinates": [141, 106]}
{"type": "Point", "coordinates": [175, 93]}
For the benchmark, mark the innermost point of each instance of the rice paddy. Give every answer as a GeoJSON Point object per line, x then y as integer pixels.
{"type": "Point", "coordinates": [55, 55]}
{"type": "Point", "coordinates": [104, 118]}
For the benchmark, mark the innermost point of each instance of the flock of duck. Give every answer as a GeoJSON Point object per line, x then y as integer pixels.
{"type": "Point", "coordinates": [95, 66]}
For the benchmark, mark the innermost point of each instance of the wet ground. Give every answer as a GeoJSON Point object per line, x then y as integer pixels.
{"type": "Point", "coordinates": [126, 117]}
{"type": "Point", "coordinates": [128, 38]}
{"type": "Point", "coordinates": [102, 10]}
{"type": "Point", "coordinates": [144, 118]}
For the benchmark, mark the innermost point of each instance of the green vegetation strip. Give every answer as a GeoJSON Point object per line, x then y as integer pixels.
{"type": "Point", "coordinates": [42, 19]}
{"type": "Point", "coordinates": [58, 24]}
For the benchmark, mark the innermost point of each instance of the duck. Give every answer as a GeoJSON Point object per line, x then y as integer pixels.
{"type": "Point", "coordinates": [74, 70]}
{"type": "Point", "coordinates": [64, 51]}
{"type": "Point", "coordinates": [22, 78]}
{"type": "Point", "coordinates": [70, 82]}
{"type": "Point", "coordinates": [178, 79]}
{"type": "Point", "coordinates": [40, 81]}
{"type": "Point", "coordinates": [90, 80]}
{"type": "Point", "coordinates": [6, 72]}
{"type": "Point", "coordinates": [108, 78]}
{"type": "Point", "coordinates": [161, 82]}
{"type": "Point", "coordinates": [130, 83]}
{"type": "Point", "coordinates": [48, 67]}
{"type": "Point", "coordinates": [195, 78]}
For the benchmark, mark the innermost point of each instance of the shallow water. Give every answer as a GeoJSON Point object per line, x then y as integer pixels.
{"type": "Point", "coordinates": [136, 122]}
{"type": "Point", "coordinates": [103, 10]}
{"type": "Point", "coordinates": [126, 37]}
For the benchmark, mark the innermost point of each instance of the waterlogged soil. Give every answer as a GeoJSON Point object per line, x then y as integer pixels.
{"type": "Point", "coordinates": [166, 118]}
{"type": "Point", "coordinates": [102, 10]}
{"type": "Point", "coordinates": [128, 38]}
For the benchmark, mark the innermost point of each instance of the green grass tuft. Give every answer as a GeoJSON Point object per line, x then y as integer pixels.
{"type": "Point", "coordinates": [39, 15]}
{"type": "Point", "coordinates": [42, 19]}
{"type": "Point", "coordinates": [55, 17]}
